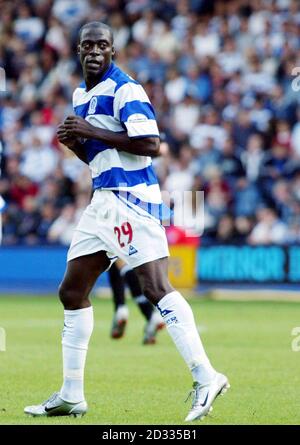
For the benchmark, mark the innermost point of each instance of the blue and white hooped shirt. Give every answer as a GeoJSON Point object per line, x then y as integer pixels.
{"type": "Point", "coordinates": [119, 103]}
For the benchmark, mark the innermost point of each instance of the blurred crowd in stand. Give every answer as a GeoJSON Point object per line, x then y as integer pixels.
{"type": "Point", "coordinates": [222, 77]}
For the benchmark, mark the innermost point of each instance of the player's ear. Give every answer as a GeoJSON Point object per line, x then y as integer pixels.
{"type": "Point", "coordinates": [113, 51]}
{"type": "Point", "coordinates": [78, 48]}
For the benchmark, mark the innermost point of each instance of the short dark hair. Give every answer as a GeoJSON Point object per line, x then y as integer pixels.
{"type": "Point", "coordinates": [96, 25]}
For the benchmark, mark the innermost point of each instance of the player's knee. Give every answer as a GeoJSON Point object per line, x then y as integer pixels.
{"type": "Point", "coordinates": [155, 292]}
{"type": "Point", "coordinates": [69, 297]}
{"type": "Point", "coordinates": [148, 294]}
{"type": "Point", "coordinates": [64, 295]}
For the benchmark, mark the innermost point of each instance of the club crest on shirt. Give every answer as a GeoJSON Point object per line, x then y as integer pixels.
{"type": "Point", "coordinates": [92, 106]}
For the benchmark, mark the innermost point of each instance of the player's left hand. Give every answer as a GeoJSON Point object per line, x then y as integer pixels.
{"type": "Point", "coordinates": [76, 126]}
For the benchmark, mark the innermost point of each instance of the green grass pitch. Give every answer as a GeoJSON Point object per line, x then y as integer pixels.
{"type": "Point", "coordinates": [128, 383]}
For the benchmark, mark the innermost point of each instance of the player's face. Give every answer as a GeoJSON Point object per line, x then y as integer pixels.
{"type": "Point", "coordinates": [95, 51]}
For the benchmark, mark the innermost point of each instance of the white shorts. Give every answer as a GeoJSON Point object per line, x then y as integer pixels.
{"type": "Point", "coordinates": [121, 230]}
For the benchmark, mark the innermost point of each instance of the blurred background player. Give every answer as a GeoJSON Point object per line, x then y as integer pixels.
{"type": "Point", "coordinates": [121, 274]}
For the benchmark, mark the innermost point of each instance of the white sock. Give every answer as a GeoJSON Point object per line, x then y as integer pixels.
{"type": "Point", "coordinates": [179, 319]}
{"type": "Point", "coordinates": [124, 269]}
{"type": "Point", "coordinates": [141, 299]}
{"type": "Point", "coordinates": [78, 327]}
{"type": "Point", "coordinates": [122, 312]}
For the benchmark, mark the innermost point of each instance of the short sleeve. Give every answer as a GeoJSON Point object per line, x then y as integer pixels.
{"type": "Point", "coordinates": [133, 109]}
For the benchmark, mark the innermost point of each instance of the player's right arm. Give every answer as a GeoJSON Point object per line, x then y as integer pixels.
{"type": "Point", "coordinates": [72, 143]}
